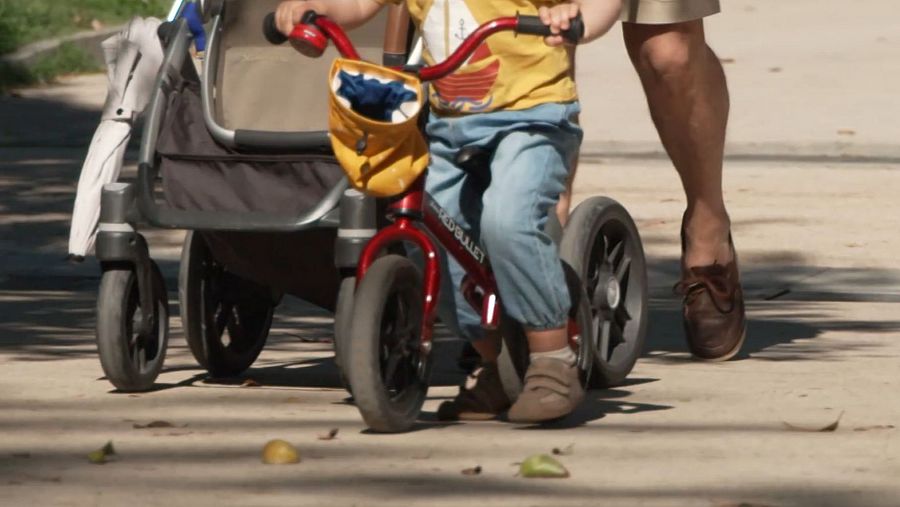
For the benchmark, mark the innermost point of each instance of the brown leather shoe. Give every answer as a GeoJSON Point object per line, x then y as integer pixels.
{"type": "Point", "coordinates": [713, 309]}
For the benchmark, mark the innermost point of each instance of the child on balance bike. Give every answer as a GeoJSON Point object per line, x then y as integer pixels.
{"type": "Point", "coordinates": [515, 98]}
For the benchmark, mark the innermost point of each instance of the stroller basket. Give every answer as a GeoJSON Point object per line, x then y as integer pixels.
{"type": "Point", "coordinates": [254, 122]}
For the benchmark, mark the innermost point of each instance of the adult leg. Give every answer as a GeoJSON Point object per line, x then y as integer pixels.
{"type": "Point", "coordinates": [688, 98]}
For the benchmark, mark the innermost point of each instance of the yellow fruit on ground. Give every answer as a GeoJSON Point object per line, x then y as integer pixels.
{"type": "Point", "coordinates": [279, 452]}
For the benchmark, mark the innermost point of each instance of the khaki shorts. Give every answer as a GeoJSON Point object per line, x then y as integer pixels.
{"type": "Point", "coordinates": [658, 12]}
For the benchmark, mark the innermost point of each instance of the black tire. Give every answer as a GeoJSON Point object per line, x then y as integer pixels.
{"type": "Point", "coordinates": [226, 319]}
{"type": "Point", "coordinates": [131, 362]}
{"type": "Point", "coordinates": [389, 381]}
{"type": "Point", "coordinates": [210, 9]}
{"type": "Point", "coordinates": [343, 316]}
{"type": "Point", "coordinates": [602, 244]}
{"type": "Point", "coordinates": [513, 360]}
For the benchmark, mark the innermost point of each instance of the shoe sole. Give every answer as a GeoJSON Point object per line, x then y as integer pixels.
{"type": "Point", "coordinates": [728, 355]}
{"type": "Point", "coordinates": [476, 416]}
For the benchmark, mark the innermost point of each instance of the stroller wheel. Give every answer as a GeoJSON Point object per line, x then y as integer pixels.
{"type": "Point", "coordinates": [226, 319]}
{"type": "Point", "coordinates": [130, 359]}
{"type": "Point", "coordinates": [343, 316]}
{"type": "Point", "coordinates": [602, 244]}
{"type": "Point", "coordinates": [386, 370]}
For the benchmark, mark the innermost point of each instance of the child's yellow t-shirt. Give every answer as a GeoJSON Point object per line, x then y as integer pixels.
{"type": "Point", "coordinates": [507, 72]}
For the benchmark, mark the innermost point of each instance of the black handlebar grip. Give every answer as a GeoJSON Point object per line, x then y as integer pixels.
{"type": "Point", "coordinates": [532, 25]}
{"type": "Point", "coordinates": [270, 31]}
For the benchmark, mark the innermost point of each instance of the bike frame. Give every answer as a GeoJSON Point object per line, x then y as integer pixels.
{"type": "Point", "coordinates": [417, 217]}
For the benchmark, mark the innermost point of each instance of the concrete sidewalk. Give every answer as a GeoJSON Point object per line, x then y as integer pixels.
{"type": "Point", "coordinates": [815, 221]}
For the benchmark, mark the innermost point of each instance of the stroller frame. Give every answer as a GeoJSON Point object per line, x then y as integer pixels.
{"type": "Point", "coordinates": [125, 206]}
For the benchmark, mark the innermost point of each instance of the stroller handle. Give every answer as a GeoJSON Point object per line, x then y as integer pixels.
{"type": "Point", "coordinates": [311, 37]}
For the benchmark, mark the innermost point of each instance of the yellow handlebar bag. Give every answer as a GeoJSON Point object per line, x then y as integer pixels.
{"type": "Point", "coordinates": [382, 152]}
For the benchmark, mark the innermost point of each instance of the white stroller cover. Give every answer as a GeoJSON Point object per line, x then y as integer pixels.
{"type": "Point", "coordinates": [133, 58]}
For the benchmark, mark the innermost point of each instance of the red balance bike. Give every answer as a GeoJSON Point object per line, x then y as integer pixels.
{"type": "Point", "coordinates": [387, 354]}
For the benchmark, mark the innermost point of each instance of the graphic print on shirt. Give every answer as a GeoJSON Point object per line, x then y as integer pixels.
{"type": "Point", "coordinates": [446, 26]}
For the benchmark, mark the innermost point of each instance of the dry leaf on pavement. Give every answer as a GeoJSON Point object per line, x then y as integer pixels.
{"type": "Point", "coordinates": [154, 424]}
{"type": "Point", "coordinates": [331, 435]}
{"type": "Point", "coordinates": [565, 451]}
{"type": "Point", "coordinates": [100, 456]}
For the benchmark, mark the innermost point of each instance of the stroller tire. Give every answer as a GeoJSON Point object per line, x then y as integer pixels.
{"type": "Point", "coordinates": [602, 244]}
{"type": "Point", "coordinates": [226, 319]}
{"type": "Point", "coordinates": [386, 370]}
{"type": "Point", "coordinates": [130, 361]}
{"type": "Point", "coordinates": [343, 316]}
{"type": "Point", "coordinates": [513, 359]}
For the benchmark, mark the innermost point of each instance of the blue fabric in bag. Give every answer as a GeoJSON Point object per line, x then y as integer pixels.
{"type": "Point", "coordinates": [372, 98]}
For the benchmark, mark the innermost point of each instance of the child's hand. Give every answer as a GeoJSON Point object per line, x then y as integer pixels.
{"type": "Point", "coordinates": [288, 13]}
{"type": "Point", "coordinates": [557, 18]}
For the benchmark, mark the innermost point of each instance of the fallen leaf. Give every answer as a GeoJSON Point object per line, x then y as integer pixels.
{"type": "Point", "coordinates": [726, 60]}
{"type": "Point", "coordinates": [332, 433]}
{"type": "Point", "coordinates": [775, 70]}
{"type": "Point", "coordinates": [279, 452]}
{"type": "Point", "coordinates": [100, 456]}
{"type": "Point", "coordinates": [250, 383]}
{"type": "Point", "coordinates": [876, 427]}
{"type": "Point", "coordinates": [472, 471]}
{"type": "Point", "coordinates": [743, 504]}
{"type": "Point", "coordinates": [154, 424]}
{"type": "Point", "coordinates": [846, 132]}
{"type": "Point", "coordinates": [565, 451]}
{"type": "Point", "coordinates": [97, 25]}
{"type": "Point", "coordinates": [817, 429]}
{"type": "Point", "coordinates": [542, 466]}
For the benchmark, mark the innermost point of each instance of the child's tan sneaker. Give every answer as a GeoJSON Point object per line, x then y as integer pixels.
{"type": "Point", "coordinates": [552, 390]}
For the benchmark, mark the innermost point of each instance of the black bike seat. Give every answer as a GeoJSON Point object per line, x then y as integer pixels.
{"type": "Point", "coordinates": [474, 158]}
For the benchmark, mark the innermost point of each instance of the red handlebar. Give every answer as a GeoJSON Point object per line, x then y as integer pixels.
{"type": "Point", "coordinates": [314, 31]}
{"type": "Point", "coordinates": [465, 50]}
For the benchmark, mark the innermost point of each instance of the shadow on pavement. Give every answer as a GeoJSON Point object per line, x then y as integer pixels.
{"type": "Point", "coordinates": [40, 122]}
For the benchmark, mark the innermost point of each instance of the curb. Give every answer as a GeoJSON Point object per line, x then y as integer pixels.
{"type": "Point", "coordinates": [88, 41]}
{"type": "Point", "coordinates": [823, 152]}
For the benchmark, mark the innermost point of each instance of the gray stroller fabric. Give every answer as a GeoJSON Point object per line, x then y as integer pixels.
{"type": "Point", "coordinates": [200, 174]}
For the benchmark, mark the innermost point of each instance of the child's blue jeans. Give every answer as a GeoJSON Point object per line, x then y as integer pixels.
{"type": "Point", "coordinates": [533, 152]}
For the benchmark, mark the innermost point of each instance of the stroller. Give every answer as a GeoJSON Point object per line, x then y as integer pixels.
{"type": "Point", "coordinates": [239, 155]}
